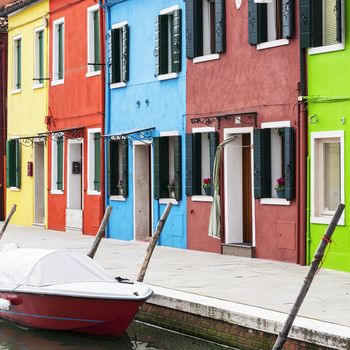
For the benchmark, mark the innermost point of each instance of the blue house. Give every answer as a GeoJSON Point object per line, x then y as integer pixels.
{"type": "Point", "coordinates": [145, 119]}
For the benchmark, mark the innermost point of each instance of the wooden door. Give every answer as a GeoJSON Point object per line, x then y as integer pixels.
{"type": "Point", "coordinates": [247, 189]}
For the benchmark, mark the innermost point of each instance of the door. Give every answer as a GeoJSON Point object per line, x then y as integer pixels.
{"type": "Point", "coordinates": [142, 192]}
{"type": "Point", "coordinates": [74, 212]}
{"type": "Point", "coordinates": [247, 189]}
{"type": "Point", "coordinates": [39, 183]}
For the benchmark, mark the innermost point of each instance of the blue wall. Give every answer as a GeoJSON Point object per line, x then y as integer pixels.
{"type": "Point", "coordinates": [166, 110]}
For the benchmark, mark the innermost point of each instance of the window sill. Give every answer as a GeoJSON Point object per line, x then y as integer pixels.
{"type": "Point", "coordinates": [93, 193]}
{"type": "Point", "coordinates": [38, 86]}
{"type": "Point", "coordinates": [168, 200]}
{"type": "Point", "coordinates": [274, 201]}
{"type": "Point", "coordinates": [212, 57]}
{"type": "Point", "coordinates": [271, 44]}
{"type": "Point", "coordinates": [117, 198]}
{"type": "Point", "coordinates": [326, 220]}
{"type": "Point", "coordinates": [57, 82]}
{"type": "Point", "coordinates": [17, 91]}
{"type": "Point", "coordinates": [325, 49]}
{"type": "Point", "coordinates": [56, 192]}
{"type": "Point", "coordinates": [14, 189]}
{"type": "Point", "coordinates": [93, 73]}
{"type": "Point", "coordinates": [117, 85]}
{"type": "Point", "coordinates": [167, 76]}
{"type": "Point", "coordinates": [202, 198]}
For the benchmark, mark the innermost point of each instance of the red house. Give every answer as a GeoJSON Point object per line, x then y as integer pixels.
{"type": "Point", "coordinates": [76, 114]}
{"type": "Point", "coordinates": [243, 82]}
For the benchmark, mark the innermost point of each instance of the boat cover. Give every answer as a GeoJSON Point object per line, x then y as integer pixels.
{"type": "Point", "coordinates": [41, 267]}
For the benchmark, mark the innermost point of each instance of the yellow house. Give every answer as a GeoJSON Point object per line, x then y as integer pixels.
{"type": "Point", "coordinates": [26, 151]}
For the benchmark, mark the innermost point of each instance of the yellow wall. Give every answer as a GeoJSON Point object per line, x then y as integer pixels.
{"type": "Point", "coordinates": [27, 109]}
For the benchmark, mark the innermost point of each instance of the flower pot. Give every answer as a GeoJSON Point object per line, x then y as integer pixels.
{"type": "Point", "coordinates": [207, 191]}
{"type": "Point", "coordinates": [281, 193]}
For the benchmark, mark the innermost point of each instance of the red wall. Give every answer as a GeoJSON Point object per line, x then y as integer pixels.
{"type": "Point", "coordinates": [247, 80]}
{"type": "Point", "coordinates": [79, 102]}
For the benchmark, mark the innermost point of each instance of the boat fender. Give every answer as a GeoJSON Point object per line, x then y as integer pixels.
{"type": "Point", "coordinates": [5, 305]}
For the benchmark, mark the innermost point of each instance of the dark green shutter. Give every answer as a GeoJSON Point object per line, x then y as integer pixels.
{"type": "Point", "coordinates": [113, 168]}
{"type": "Point", "coordinates": [125, 53]}
{"type": "Point", "coordinates": [339, 21]}
{"type": "Point", "coordinates": [189, 165]}
{"type": "Point", "coordinates": [60, 51]}
{"type": "Point", "coordinates": [193, 164]}
{"type": "Point", "coordinates": [178, 167]}
{"type": "Point", "coordinates": [161, 48]}
{"type": "Point", "coordinates": [96, 19]}
{"type": "Point", "coordinates": [97, 161]}
{"type": "Point", "coordinates": [41, 56]}
{"type": "Point", "coordinates": [8, 173]}
{"type": "Point", "coordinates": [161, 167]}
{"type": "Point", "coordinates": [316, 23]}
{"type": "Point", "coordinates": [305, 23]}
{"type": "Point", "coordinates": [257, 23]}
{"type": "Point", "coordinates": [190, 28]}
{"type": "Point", "coordinates": [18, 163]}
{"type": "Point", "coordinates": [59, 180]}
{"type": "Point", "coordinates": [213, 142]}
{"type": "Point", "coordinates": [262, 163]}
{"type": "Point", "coordinates": [176, 57]}
{"type": "Point", "coordinates": [19, 63]}
{"type": "Point", "coordinates": [11, 163]}
{"type": "Point", "coordinates": [125, 171]}
{"type": "Point", "coordinates": [220, 26]}
{"type": "Point", "coordinates": [288, 18]}
{"type": "Point", "coordinates": [110, 56]}
{"type": "Point", "coordinates": [289, 162]}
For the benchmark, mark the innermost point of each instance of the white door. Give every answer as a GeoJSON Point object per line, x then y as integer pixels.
{"type": "Point", "coordinates": [39, 183]}
{"type": "Point", "coordinates": [74, 212]}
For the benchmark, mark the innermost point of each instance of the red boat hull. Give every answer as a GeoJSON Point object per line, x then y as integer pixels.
{"type": "Point", "coordinates": [86, 315]}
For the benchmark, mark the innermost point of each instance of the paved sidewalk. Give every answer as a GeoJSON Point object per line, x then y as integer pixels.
{"type": "Point", "coordinates": [254, 282]}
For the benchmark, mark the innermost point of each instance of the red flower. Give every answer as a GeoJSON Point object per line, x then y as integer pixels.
{"type": "Point", "coordinates": [281, 181]}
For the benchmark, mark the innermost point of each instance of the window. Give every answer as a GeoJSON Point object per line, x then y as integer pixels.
{"type": "Point", "coordinates": [200, 154]}
{"type": "Point", "coordinates": [94, 42]}
{"type": "Point", "coordinates": [322, 24]}
{"type": "Point", "coordinates": [38, 56]}
{"type": "Point", "coordinates": [13, 164]}
{"type": "Point", "coordinates": [205, 27]}
{"type": "Point", "coordinates": [17, 63]}
{"type": "Point", "coordinates": [119, 54]}
{"type": "Point", "coordinates": [270, 21]}
{"type": "Point", "coordinates": [167, 167]}
{"type": "Point", "coordinates": [168, 42]}
{"type": "Point", "coordinates": [57, 164]}
{"type": "Point", "coordinates": [94, 161]}
{"type": "Point", "coordinates": [58, 51]}
{"type": "Point", "coordinates": [274, 159]}
{"type": "Point", "coordinates": [327, 174]}
{"type": "Point", "coordinates": [118, 168]}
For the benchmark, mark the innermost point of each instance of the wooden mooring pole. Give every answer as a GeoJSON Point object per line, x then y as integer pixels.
{"type": "Point", "coordinates": [153, 242]}
{"type": "Point", "coordinates": [100, 232]}
{"type": "Point", "coordinates": [12, 211]}
{"type": "Point", "coordinates": [315, 265]}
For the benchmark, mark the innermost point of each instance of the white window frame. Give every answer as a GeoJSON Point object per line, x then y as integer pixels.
{"type": "Point", "coordinates": [90, 41]}
{"type": "Point", "coordinates": [91, 162]}
{"type": "Point", "coordinates": [36, 68]}
{"type": "Point", "coordinates": [54, 189]}
{"type": "Point", "coordinates": [315, 136]}
{"type": "Point", "coordinates": [55, 53]}
{"type": "Point", "coordinates": [16, 90]}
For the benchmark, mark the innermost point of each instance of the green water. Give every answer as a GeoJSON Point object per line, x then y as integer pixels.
{"type": "Point", "coordinates": [139, 337]}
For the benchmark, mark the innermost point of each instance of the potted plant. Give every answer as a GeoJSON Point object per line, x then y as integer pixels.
{"type": "Point", "coordinates": [280, 189]}
{"type": "Point", "coordinates": [171, 190]}
{"type": "Point", "coordinates": [207, 186]}
{"type": "Point", "coordinates": [120, 187]}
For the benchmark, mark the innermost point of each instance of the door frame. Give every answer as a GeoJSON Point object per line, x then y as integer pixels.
{"type": "Point", "coordinates": [142, 143]}
{"type": "Point", "coordinates": [227, 133]}
{"type": "Point", "coordinates": [35, 142]}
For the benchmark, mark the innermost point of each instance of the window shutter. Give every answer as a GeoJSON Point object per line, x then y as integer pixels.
{"type": "Point", "coordinates": [19, 63]}
{"type": "Point", "coordinates": [125, 171]}
{"type": "Point", "coordinates": [125, 53]}
{"type": "Point", "coordinates": [257, 23]}
{"type": "Point", "coordinates": [113, 168]}
{"type": "Point", "coordinates": [97, 161]}
{"type": "Point", "coordinates": [214, 142]}
{"type": "Point", "coordinates": [157, 46]}
{"type": "Point", "coordinates": [161, 49]}
{"type": "Point", "coordinates": [176, 57]}
{"type": "Point", "coordinates": [161, 167]}
{"type": "Point", "coordinates": [305, 23]}
{"type": "Point", "coordinates": [97, 59]}
{"type": "Point", "coordinates": [60, 51]}
{"type": "Point", "coordinates": [288, 18]}
{"type": "Point", "coordinates": [156, 167]}
{"type": "Point", "coordinates": [316, 23]}
{"type": "Point", "coordinates": [193, 164]}
{"type": "Point", "coordinates": [220, 26]}
{"type": "Point", "coordinates": [59, 180]}
{"type": "Point", "coordinates": [190, 28]}
{"type": "Point", "coordinates": [339, 21]}
{"type": "Point", "coordinates": [178, 168]}
{"type": "Point", "coordinates": [189, 165]}
{"type": "Point", "coordinates": [289, 162]}
{"type": "Point", "coordinates": [18, 164]}
{"type": "Point", "coordinates": [262, 163]}
{"type": "Point", "coordinates": [41, 56]}
{"type": "Point", "coordinates": [9, 160]}
{"type": "Point", "coordinates": [109, 56]}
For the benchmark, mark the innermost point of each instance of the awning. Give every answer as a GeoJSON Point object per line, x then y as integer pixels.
{"type": "Point", "coordinates": [71, 133]}
{"type": "Point", "coordinates": [144, 134]}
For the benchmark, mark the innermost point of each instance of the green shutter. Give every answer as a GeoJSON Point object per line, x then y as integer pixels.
{"type": "Point", "coordinates": [59, 175]}
{"type": "Point", "coordinates": [289, 162]}
{"type": "Point", "coordinates": [193, 164]}
{"type": "Point", "coordinates": [262, 163]}
{"type": "Point", "coordinates": [161, 48]}
{"type": "Point", "coordinates": [339, 36]}
{"type": "Point", "coordinates": [97, 161]}
{"type": "Point", "coordinates": [41, 56]}
{"type": "Point", "coordinates": [97, 48]}
{"type": "Point", "coordinates": [60, 51]}
{"type": "Point", "coordinates": [316, 23]}
{"type": "Point", "coordinates": [109, 56]}
{"type": "Point", "coordinates": [19, 63]}
{"type": "Point", "coordinates": [178, 167]}
{"type": "Point", "coordinates": [10, 163]}
{"type": "Point", "coordinates": [176, 41]}
{"type": "Point", "coordinates": [190, 28]}
{"type": "Point", "coordinates": [213, 144]}
{"type": "Point", "coordinates": [189, 165]}
{"type": "Point", "coordinates": [288, 18]}
{"type": "Point", "coordinates": [125, 170]}
{"type": "Point", "coordinates": [220, 26]}
{"type": "Point", "coordinates": [8, 144]}
{"type": "Point", "coordinates": [113, 168]}
{"type": "Point", "coordinates": [18, 164]}
{"type": "Point", "coordinates": [305, 23]}
{"type": "Point", "coordinates": [161, 167]}
{"type": "Point", "coordinates": [257, 23]}
{"type": "Point", "coordinates": [125, 53]}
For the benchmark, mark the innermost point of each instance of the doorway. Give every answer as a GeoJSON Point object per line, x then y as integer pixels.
{"type": "Point", "coordinates": [39, 183]}
{"type": "Point", "coordinates": [74, 212]}
{"type": "Point", "coordinates": [142, 192]}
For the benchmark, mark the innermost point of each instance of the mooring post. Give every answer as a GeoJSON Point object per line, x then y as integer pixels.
{"type": "Point", "coordinates": [282, 337]}
{"type": "Point", "coordinates": [100, 232]}
{"type": "Point", "coordinates": [153, 242]}
{"type": "Point", "coordinates": [12, 211]}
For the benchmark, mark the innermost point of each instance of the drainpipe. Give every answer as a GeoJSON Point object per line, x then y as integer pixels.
{"type": "Point", "coordinates": [308, 211]}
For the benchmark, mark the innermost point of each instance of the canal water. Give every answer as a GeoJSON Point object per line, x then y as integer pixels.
{"type": "Point", "coordinates": [140, 336]}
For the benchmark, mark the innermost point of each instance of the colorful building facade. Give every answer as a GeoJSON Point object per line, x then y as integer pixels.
{"type": "Point", "coordinates": [75, 117]}
{"type": "Point", "coordinates": [145, 119]}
